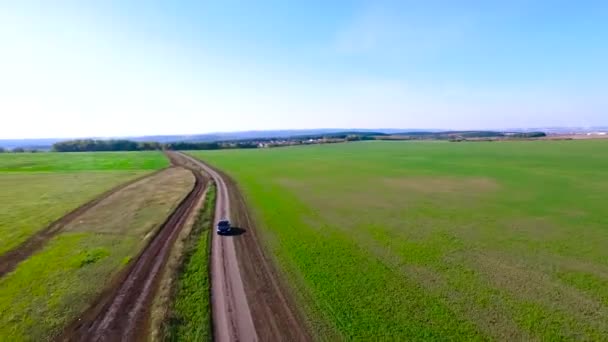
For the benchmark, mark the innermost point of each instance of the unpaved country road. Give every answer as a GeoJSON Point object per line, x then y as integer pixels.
{"type": "Point", "coordinates": [248, 301]}
{"type": "Point", "coordinates": [122, 313]}
{"type": "Point", "coordinates": [232, 319]}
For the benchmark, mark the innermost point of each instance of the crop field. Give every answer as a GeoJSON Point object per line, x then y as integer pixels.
{"type": "Point", "coordinates": [81, 161]}
{"type": "Point", "coordinates": [437, 241]}
{"type": "Point", "coordinates": [38, 188]}
{"type": "Point", "coordinates": [52, 287]}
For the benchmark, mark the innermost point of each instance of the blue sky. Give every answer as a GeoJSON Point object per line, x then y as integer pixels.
{"type": "Point", "coordinates": [115, 68]}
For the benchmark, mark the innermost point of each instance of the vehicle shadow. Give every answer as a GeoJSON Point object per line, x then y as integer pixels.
{"type": "Point", "coordinates": [235, 231]}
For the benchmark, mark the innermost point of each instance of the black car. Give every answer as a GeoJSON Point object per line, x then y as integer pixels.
{"type": "Point", "coordinates": [223, 227]}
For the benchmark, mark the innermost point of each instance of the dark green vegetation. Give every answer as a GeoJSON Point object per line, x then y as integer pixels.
{"type": "Point", "coordinates": [40, 188]}
{"type": "Point", "coordinates": [91, 145]}
{"type": "Point", "coordinates": [55, 285]}
{"type": "Point", "coordinates": [184, 146]}
{"type": "Point", "coordinates": [190, 314]}
{"type": "Point", "coordinates": [437, 241]}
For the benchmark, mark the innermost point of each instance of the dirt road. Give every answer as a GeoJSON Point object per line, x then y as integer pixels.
{"type": "Point", "coordinates": [248, 301]}
{"type": "Point", "coordinates": [121, 314]}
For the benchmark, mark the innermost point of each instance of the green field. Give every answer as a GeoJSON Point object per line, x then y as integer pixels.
{"type": "Point", "coordinates": [81, 161]}
{"type": "Point", "coordinates": [52, 287]}
{"type": "Point", "coordinates": [189, 317]}
{"type": "Point", "coordinates": [38, 188]}
{"type": "Point", "coordinates": [437, 241]}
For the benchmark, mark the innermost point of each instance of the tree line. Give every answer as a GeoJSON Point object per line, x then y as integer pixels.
{"type": "Point", "coordinates": [93, 145]}
{"type": "Point", "coordinates": [18, 150]}
{"type": "Point", "coordinates": [97, 145]}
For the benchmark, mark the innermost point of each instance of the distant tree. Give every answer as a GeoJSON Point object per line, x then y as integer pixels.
{"type": "Point", "coordinates": [90, 145]}
{"type": "Point", "coordinates": [18, 150]}
{"type": "Point", "coordinates": [247, 145]}
{"type": "Point", "coordinates": [192, 146]}
{"type": "Point", "coordinates": [149, 146]}
{"type": "Point", "coordinates": [2, 150]}
{"type": "Point", "coordinates": [480, 134]}
{"type": "Point", "coordinates": [529, 135]}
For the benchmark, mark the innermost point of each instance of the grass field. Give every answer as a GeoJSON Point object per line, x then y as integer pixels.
{"type": "Point", "coordinates": [52, 287]}
{"type": "Point", "coordinates": [437, 241]}
{"type": "Point", "coordinates": [189, 316]}
{"type": "Point", "coordinates": [38, 188]}
{"type": "Point", "coordinates": [81, 161]}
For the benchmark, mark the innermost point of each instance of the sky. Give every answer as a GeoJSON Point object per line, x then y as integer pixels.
{"type": "Point", "coordinates": [125, 68]}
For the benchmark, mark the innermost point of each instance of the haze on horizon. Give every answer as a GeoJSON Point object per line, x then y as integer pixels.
{"type": "Point", "coordinates": [116, 68]}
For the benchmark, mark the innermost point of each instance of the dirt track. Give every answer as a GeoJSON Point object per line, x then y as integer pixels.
{"type": "Point", "coordinates": [12, 258]}
{"type": "Point", "coordinates": [248, 301]}
{"type": "Point", "coordinates": [122, 313]}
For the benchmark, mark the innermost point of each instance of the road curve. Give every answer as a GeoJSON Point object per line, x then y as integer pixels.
{"type": "Point", "coordinates": [232, 319]}
{"type": "Point", "coordinates": [122, 313]}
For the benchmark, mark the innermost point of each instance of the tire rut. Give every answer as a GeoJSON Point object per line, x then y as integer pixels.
{"type": "Point", "coordinates": [122, 313]}
{"type": "Point", "coordinates": [250, 301]}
